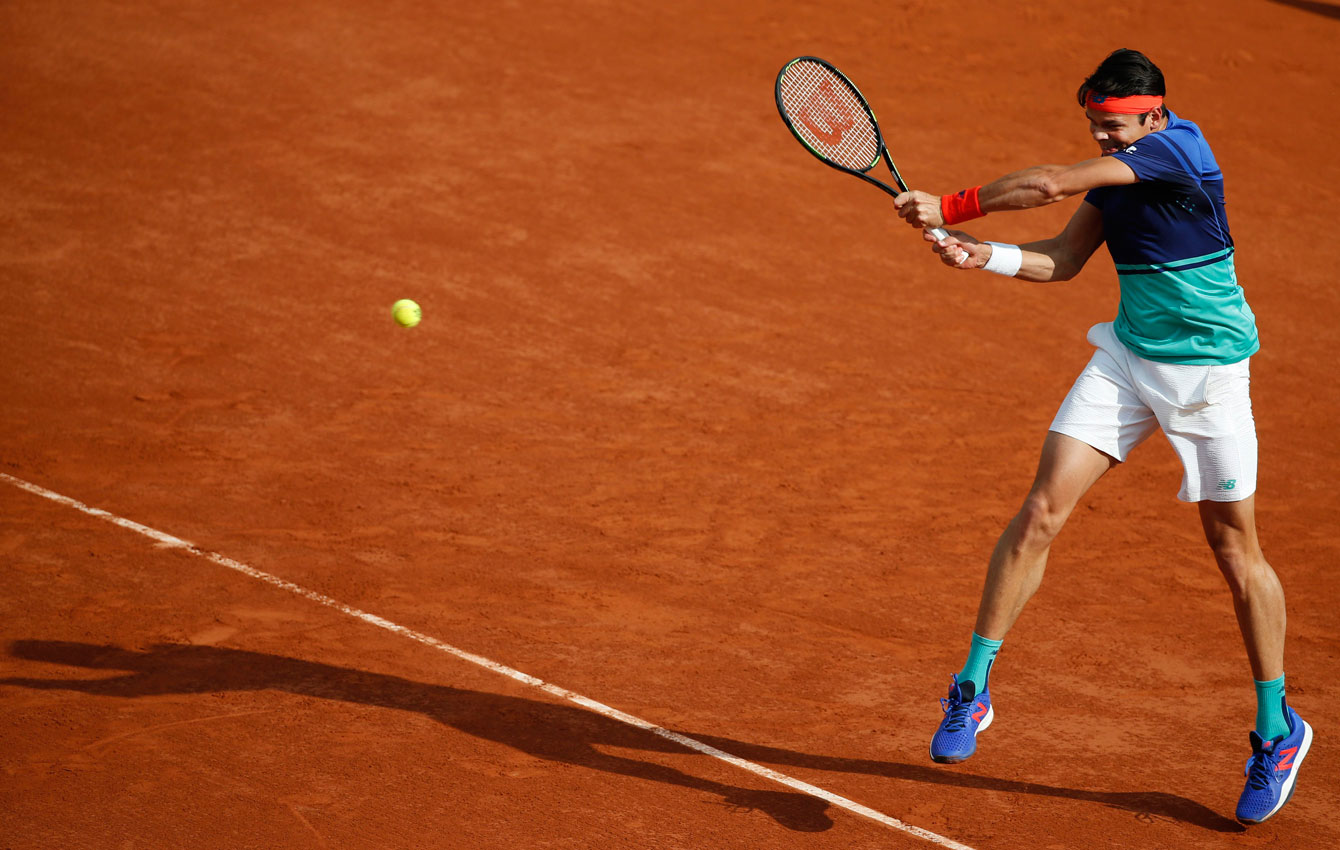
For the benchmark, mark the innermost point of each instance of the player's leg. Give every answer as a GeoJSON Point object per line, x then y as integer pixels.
{"type": "Point", "coordinates": [1101, 420]}
{"type": "Point", "coordinates": [1258, 597]}
{"type": "Point", "coordinates": [1067, 469]}
{"type": "Point", "coordinates": [1281, 739]}
{"type": "Point", "coordinates": [1207, 415]}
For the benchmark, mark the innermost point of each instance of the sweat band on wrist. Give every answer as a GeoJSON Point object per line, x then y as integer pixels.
{"type": "Point", "coordinates": [961, 206]}
{"type": "Point", "coordinates": [1005, 259]}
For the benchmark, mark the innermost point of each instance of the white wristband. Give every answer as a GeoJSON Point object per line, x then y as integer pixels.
{"type": "Point", "coordinates": [1005, 259]}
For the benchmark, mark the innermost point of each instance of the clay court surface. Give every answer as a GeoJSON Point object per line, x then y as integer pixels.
{"type": "Point", "coordinates": [692, 427]}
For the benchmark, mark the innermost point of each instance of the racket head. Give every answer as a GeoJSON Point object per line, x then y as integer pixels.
{"type": "Point", "coordinates": [828, 115]}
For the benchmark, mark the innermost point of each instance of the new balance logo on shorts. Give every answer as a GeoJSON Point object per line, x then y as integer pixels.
{"type": "Point", "coordinates": [1228, 483]}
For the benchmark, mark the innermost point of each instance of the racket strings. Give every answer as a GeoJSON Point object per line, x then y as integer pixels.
{"type": "Point", "coordinates": [830, 117]}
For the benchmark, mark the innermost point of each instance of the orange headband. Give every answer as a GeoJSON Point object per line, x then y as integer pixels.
{"type": "Point", "coordinates": [1137, 104]}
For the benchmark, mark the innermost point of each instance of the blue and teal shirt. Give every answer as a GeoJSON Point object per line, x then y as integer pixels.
{"type": "Point", "coordinates": [1168, 235]}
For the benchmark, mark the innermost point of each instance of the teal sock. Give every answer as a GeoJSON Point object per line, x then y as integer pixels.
{"type": "Point", "coordinates": [981, 655]}
{"type": "Point", "coordinates": [1270, 719]}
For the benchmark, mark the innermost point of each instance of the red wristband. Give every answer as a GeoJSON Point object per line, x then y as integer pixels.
{"type": "Point", "coordinates": [961, 206]}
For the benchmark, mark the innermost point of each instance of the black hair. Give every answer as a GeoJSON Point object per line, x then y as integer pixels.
{"type": "Point", "coordinates": [1122, 74]}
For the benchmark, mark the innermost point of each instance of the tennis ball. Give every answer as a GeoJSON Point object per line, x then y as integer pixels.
{"type": "Point", "coordinates": [406, 313]}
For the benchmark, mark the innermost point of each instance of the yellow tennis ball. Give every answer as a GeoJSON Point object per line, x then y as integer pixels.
{"type": "Point", "coordinates": [406, 313]}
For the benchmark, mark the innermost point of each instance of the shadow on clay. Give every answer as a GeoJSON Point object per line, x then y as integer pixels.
{"type": "Point", "coordinates": [551, 731]}
{"type": "Point", "coordinates": [545, 730]}
{"type": "Point", "coordinates": [1325, 9]}
{"type": "Point", "coordinates": [1156, 804]}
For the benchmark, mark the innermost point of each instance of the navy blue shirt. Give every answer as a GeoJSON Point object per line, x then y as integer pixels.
{"type": "Point", "coordinates": [1168, 235]}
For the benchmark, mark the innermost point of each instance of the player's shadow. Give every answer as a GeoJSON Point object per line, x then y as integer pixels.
{"type": "Point", "coordinates": [1155, 804]}
{"type": "Point", "coordinates": [551, 731]}
{"type": "Point", "coordinates": [1328, 10]}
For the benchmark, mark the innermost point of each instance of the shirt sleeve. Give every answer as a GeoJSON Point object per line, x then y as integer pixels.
{"type": "Point", "coordinates": [1157, 159]}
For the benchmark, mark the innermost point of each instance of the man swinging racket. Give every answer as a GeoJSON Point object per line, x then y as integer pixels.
{"type": "Point", "coordinates": [1176, 358]}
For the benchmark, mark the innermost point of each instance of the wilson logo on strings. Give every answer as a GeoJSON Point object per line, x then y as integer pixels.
{"type": "Point", "coordinates": [825, 115]}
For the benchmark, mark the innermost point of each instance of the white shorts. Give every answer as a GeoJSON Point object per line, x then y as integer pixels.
{"type": "Point", "coordinates": [1206, 412]}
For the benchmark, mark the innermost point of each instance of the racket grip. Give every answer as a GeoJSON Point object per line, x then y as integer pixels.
{"type": "Point", "coordinates": [941, 233]}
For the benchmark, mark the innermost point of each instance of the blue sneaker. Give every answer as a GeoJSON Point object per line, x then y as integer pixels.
{"type": "Point", "coordinates": [1272, 771]}
{"type": "Point", "coordinates": [966, 713]}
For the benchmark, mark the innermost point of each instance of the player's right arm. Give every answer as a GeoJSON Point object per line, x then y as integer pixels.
{"type": "Point", "coordinates": [1020, 190]}
{"type": "Point", "coordinates": [1047, 184]}
{"type": "Point", "coordinates": [1056, 259]}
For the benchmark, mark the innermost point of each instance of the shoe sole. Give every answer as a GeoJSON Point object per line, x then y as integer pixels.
{"type": "Point", "coordinates": [986, 721]}
{"type": "Point", "coordinates": [1292, 781]}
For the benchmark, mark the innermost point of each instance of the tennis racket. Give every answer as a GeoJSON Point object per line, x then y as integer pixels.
{"type": "Point", "coordinates": [829, 116]}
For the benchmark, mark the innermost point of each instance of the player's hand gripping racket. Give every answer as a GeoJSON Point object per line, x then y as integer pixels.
{"type": "Point", "coordinates": [829, 115]}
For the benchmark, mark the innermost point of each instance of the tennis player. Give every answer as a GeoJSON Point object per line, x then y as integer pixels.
{"type": "Point", "coordinates": [1175, 358]}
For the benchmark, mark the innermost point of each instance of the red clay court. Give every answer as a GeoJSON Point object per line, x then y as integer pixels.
{"type": "Point", "coordinates": [693, 428]}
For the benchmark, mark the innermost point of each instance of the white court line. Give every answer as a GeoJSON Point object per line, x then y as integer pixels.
{"type": "Point", "coordinates": [168, 541]}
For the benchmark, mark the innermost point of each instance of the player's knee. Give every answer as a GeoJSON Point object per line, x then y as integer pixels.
{"type": "Point", "coordinates": [1038, 522]}
{"type": "Point", "coordinates": [1243, 566]}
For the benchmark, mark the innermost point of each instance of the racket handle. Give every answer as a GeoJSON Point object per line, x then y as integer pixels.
{"type": "Point", "coordinates": [941, 233]}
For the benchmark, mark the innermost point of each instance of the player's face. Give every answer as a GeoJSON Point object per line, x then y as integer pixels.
{"type": "Point", "coordinates": [1113, 132]}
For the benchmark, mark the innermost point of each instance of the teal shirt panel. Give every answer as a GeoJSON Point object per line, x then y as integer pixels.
{"type": "Point", "coordinates": [1190, 311]}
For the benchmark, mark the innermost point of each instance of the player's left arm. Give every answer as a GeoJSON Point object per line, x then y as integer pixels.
{"type": "Point", "coordinates": [1058, 258]}
{"type": "Point", "coordinates": [1022, 190]}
